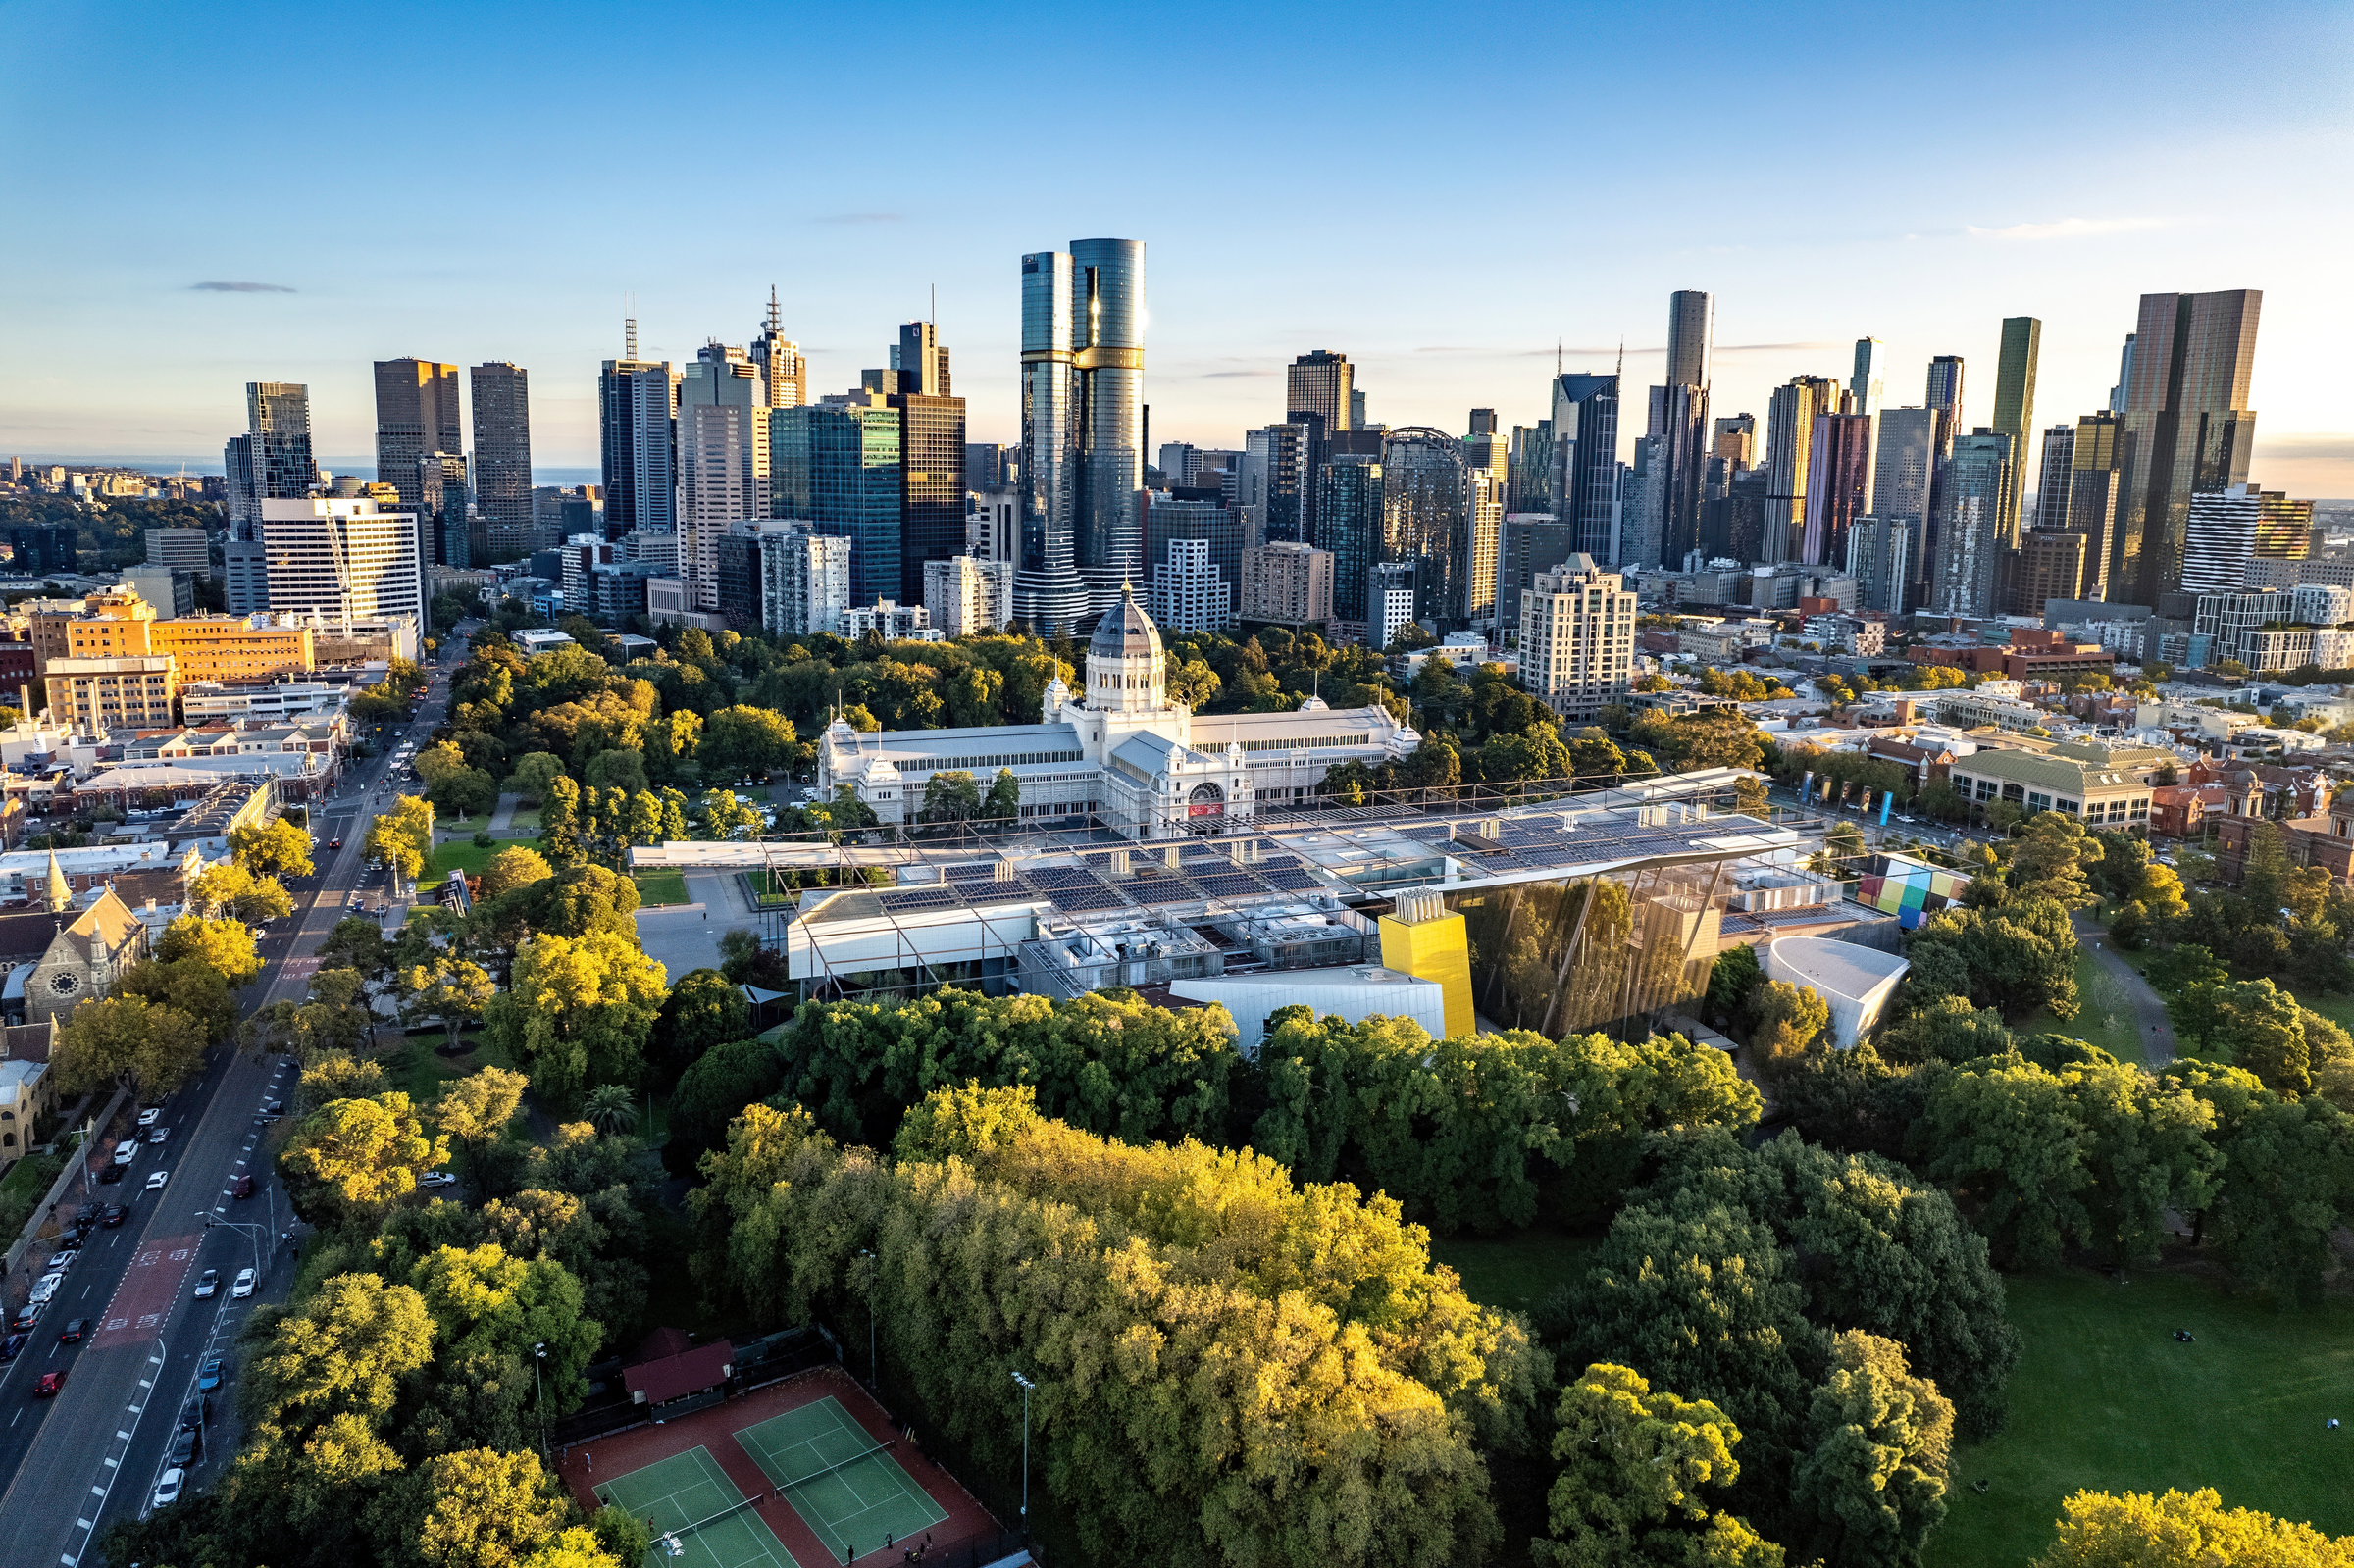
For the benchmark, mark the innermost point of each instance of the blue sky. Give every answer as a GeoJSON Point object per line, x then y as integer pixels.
{"type": "Point", "coordinates": [1444, 193]}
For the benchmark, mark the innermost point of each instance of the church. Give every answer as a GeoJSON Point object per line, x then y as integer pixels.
{"type": "Point", "coordinates": [1122, 755]}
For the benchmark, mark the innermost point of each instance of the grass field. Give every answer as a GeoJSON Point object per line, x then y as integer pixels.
{"type": "Point", "coordinates": [459, 854]}
{"type": "Point", "coordinates": [2123, 1042]}
{"type": "Point", "coordinates": [2106, 1400]}
{"type": "Point", "coordinates": [662, 888]}
{"type": "Point", "coordinates": [1516, 1271]}
{"type": "Point", "coordinates": [417, 1070]}
{"type": "Point", "coordinates": [526, 818]}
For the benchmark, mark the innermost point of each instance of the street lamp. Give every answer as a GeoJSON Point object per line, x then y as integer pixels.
{"type": "Point", "coordinates": [874, 1373]}
{"type": "Point", "coordinates": [1027, 1386]}
{"type": "Point", "coordinates": [540, 1395]}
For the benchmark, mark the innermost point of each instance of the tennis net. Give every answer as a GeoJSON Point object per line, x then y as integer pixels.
{"type": "Point", "coordinates": [678, 1533]}
{"type": "Point", "coordinates": [883, 1446]}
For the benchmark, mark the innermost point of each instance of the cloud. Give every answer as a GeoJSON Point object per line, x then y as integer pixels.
{"type": "Point", "coordinates": [863, 218]}
{"type": "Point", "coordinates": [1211, 375]}
{"type": "Point", "coordinates": [1774, 348]}
{"type": "Point", "coordinates": [241, 288]}
{"type": "Point", "coordinates": [2067, 229]}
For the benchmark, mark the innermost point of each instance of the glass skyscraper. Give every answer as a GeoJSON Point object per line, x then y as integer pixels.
{"type": "Point", "coordinates": [2187, 429]}
{"type": "Point", "coordinates": [1972, 523]}
{"type": "Point", "coordinates": [1426, 519]}
{"type": "Point", "coordinates": [836, 466]}
{"type": "Point", "coordinates": [502, 452]}
{"type": "Point", "coordinates": [1585, 446]}
{"type": "Point", "coordinates": [2015, 401]}
{"type": "Point", "coordinates": [278, 423]}
{"type": "Point", "coordinates": [635, 399]}
{"type": "Point", "coordinates": [415, 412]}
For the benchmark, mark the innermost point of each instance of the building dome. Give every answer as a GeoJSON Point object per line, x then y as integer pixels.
{"type": "Point", "coordinates": [1125, 631]}
{"type": "Point", "coordinates": [1124, 669]}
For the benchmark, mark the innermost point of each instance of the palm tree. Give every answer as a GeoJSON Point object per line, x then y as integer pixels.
{"type": "Point", "coordinates": [611, 1108]}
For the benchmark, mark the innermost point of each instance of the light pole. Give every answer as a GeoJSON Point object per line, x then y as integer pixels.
{"type": "Point", "coordinates": [540, 1395]}
{"type": "Point", "coordinates": [1027, 1386]}
{"type": "Point", "coordinates": [874, 1373]}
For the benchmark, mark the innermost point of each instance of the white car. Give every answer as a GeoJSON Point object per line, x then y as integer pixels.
{"type": "Point", "coordinates": [156, 1182]}
{"type": "Point", "coordinates": [62, 1262]}
{"type": "Point", "coordinates": [167, 1490]}
{"type": "Point", "coordinates": [151, 1115]}
{"type": "Point", "coordinates": [436, 1179]}
{"type": "Point", "coordinates": [243, 1287]}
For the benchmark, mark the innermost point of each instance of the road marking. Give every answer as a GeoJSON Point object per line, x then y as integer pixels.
{"type": "Point", "coordinates": [136, 1408]}
{"type": "Point", "coordinates": [97, 1492]}
{"type": "Point", "coordinates": [111, 1463]}
{"type": "Point", "coordinates": [124, 1435]}
{"type": "Point", "coordinates": [144, 1384]}
{"type": "Point", "coordinates": [155, 1360]}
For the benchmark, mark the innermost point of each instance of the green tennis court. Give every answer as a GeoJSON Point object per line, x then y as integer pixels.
{"type": "Point", "coordinates": [851, 1492]}
{"type": "Point", "coordinates": [690, 1490]}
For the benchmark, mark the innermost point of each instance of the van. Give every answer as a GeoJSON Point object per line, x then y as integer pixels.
{"type": "Point", "coordinates": [126, 1151]}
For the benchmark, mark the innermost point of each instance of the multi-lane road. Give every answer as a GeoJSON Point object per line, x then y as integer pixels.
{"type": "Point", "coordinates": [71, 1465]}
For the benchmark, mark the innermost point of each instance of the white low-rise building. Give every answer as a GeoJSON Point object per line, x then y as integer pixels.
{"type": "Point", "coordinates": [1857, 983]}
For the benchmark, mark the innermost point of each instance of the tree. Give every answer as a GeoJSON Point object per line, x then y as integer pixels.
{"type": "Point", "coordinates": [622, 769]}
{"type": "Point", "coordinates": [350, 1159]}
{"type": "Point", "coordinates": [2101, 1530]}
{"type": "Point", "coordinates": [2010, 1133]}
{"type": "Point", "coordinates": [438, 762]}
{"type": "Point", "coordinates": [1785, 1020]}
{"type": "Point", "coordinates": [275, 848]}
{"type": "Point", "coordinates": [403, 838]}
{"type": "Point", "coordinates": [343, 1353]}
{"type": "Point", "coordinates": [487, 1509]}
{"type": "Point", "coordinates": [225, 947]}
{"type": "Point", "coordinates": [1945, 1029]}
{"type": "Point", "coordinates": [1870, 1485]}
{"type": "Point", "coordinates": [1635, 1463]}
{"type": "Point", "coordinates": [357, 944]}
{"type": "Point", "coordinates": [745, 742]}
{"type": "Point", "coordinates": [1732, 979]}
{"type": "Point", "coordinates": [476, 1108]}
{"type": "Point", "coordinates": [2049, 861]}
{"type": "Point", "coordinates": [226, 887]}
{"type": "Point", "coordinates": [704, 1009]}
{"type": "Point", "coordinates": [190, 985]}
{"type": "Point", "coordinates": [560, 823]}
{"type": "Point", "coordinates": [713, 1090]}
{"type": "Point", "coordinates": [1004, 802]}
{"type": "Point", "coordinates": [2251, 1024]}
{"type": "Point", "coordinates": [512, 868]}
{"type": "Point", "coordinates": [951, 796]}
{"type": "Point", "coordinates": [534, 772]}
{"type": "Point", "coordinates": [580, 1012]}
{"type": "Point", "coordinates": [1749, 795]}
{"type": "Point", "coordinates": [464, 792]}
{"type": "Point", "coordinates": [487, 1305]}
{"type": "Point", "coordinates": [610, 1108]}
{"type": "Point", "coordinates": [726, 817]}
{"type": "Point", "coordinates": [449, 990]}
{"type": "Point", "coordinates": [128, 1042]}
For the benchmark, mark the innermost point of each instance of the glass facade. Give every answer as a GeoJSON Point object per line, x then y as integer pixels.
{"type": "Point", "coordinates": [415, 412]}
{"type": "Point", "coordinates": [1349, 501]}
{"type": "Point", "coordinates": [503, 448]}
{"type": "Point", "coordinates": [2187, 429]}
{"type": "Point", "coordinates": [1974, 498]}
{"type": "Point", "coordinates": [932, 505]}
{"type": "Point", "coordinates": [1425, 519]}
{"type": "Point", "coordinates": [278, 421]}
{"type": "Point", "coordinates": [1048, 594]}
{"type": "Point", "coordinates": [1838, 485]}
{"type": "Point", "coordinates": [836, 466]}
{"type": "Point", "coordinates": [1585, 446]}
{"type": "Point", "coordinates": [635, 399]}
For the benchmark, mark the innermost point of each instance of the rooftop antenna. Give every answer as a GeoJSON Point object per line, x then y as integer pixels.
{"type": "Point", "coordinates": [628, 331]}
{"type": "Point", "coordinates": [936, 307]}
{"type": "Point", "coordinates": [1622, 354]}
{"type": "Point", "coordinates": [1557, 356]}
{"type": "Point", "coordinates": [776, 323]}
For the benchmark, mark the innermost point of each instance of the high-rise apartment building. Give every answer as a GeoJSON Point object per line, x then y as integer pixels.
{"type": "Point", "coordinates": [277, 423]}
{"type": "Point", "coordinates": [963, 596]}
{"type": "Point", "coordinates": [1083, 369]}
{"type": "Point", "coordinates": [723, 460]}
{"type": "Point", "coordinates": [1838, 485]}
{"type": "Point", "coordinates": [2187, 429]}
{"type": "Point", "coordinates": [991, 466]}
{"type": "Point", "coordinates": [1530, 543]}
{"type": "Point", "coordinates": [1349, 507]}
{"type": "Point", "coordinates": [805, 578]}
{"type": "Point", "coordinates": [181, 550]}
{"type": "Point", "coordinates": [1287, 585]}
{"type": "Point", "coordinates": [1390, 597]}
{"type": "Point", "coordinates": [777, 359]}
{"type": "Point", "coordinates": [1876, 558]}
{"type": "Point", "coordinates": [1971, 525]}
{"type": "Point", "coordinates": [1943, 394]}
{"type": "Point", "coordinates": [2229, 527]}
{"type": "Point", "coordinates": [636, 401]}
{"type": "Point", "coordinates": [1426, 519]}
{"type": "Point", "coordinates": [2090, 497]}
{"type": "Point", "coordinates": [1790, 415]}
{"type": "Point", "coordinates": [1189, 594]}
{"type": "Point", "coordinates": [1867, 386]}
{"type": "Point", "coordinates": [932, 451]}
{"type": "Point", "coordinates": [342, 560]}
{"type": "Point", "coordinates": [416, 412]}
{"type": "Point", "coordinates": [1484, 507]}
{"type": "Point", "coordinates": [2015, 399]}
{"type": "Point", "coordinates": [2050, 512]}
{"type": "Point", "coordinates": [1585, 452]}
{"type": "Point", "coordinates": [1220, 530]}
{"type": "Point", "coordinates": [502, 453]}
{"type": "Point", "coordinates": [2049, 566]}
{"type": "Point", "coordinates": [1577, 639]}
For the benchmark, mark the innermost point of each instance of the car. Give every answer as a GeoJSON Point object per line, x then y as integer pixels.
{"type": "Point", "coordinates": [12, 1346]}
{"type": "Point", "coordinates": [158, 1134]}
{"type": "Point", "coordinates": [183, 1452]}
{"type": "Point", "coordinates": [151, 1115]}
{"type": "Point", "coordinates": [241, 1185]}
{"type": "Point", "coordinates": [167, 1489]}
{"type": "Point", "coordinates": [59, 1263]}
{"type": "Point", "coordinates": [335, 843]}
{"type": "Point", "coordinates": [113, 1215]}
{"type": "Point", "coordinates": [44, 1288]}
{"type": "Point", "coordinates": [111, 1173]}
{"type": "Point", "coordinates": [25, 1318]}
{"type": "Point", "coordinates": [242, 1286]}
{"type": "Point", "coordinates": [436, 1179]}
{"type": "Point", "coordinates": [194, 1413]}
{"type": "Point", "coordinates": [49, 1384]}
{"type": "Point", "coordinates": [207, 1283]}
{"type": "Point", "coordinates": [155, 1182]}
{"type": "Point", "coordinates": [69, 1244]}
{"type": "Point", "coordinates": [208, 1373]}
{"type": "Point", "coordinates": [73, 1332]}
{"type": "Point", "coordinates": [126, 1151]}
{"type": "Point", "coordinates": [273, 1107]}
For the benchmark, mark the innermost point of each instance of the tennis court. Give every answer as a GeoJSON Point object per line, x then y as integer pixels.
{"type": "Point", "coordinates": [850, 1491]}
{"type": "Point", "coordinates": [690, 1490]}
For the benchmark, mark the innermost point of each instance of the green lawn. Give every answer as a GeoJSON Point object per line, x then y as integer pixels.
{"type": "Point", "coordinates": [2123, 1042]}
{"type": "Point", "coordinates": [662, 888]}
{"type": "Point", "coordinates": [526, 817]}
{"type": "Point", "coordinates": [2104, 1398]}
{"type": "Point", "coordinates": [415, 1069]}
{"type": "Point", "coordinates": [459, 854]}
{"type": "Point", "coordinates": [1516, 1271]}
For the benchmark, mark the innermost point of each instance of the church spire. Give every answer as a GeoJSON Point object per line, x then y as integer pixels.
{"type": "Point", "coordinates": [60, 892]}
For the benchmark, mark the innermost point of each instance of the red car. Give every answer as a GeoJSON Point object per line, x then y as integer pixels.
{"type": "Point", "coordinates": [49, 1384]}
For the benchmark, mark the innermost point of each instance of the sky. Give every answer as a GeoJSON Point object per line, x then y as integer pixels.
{"type": "Point", "coordinates": [200, 195]}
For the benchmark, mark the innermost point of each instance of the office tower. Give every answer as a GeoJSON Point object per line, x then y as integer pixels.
{"type": "Point", "coordinates": [2050, 566]}
{"type": "Point", "coordinates": [1278, 470]}
{"type": "Point", "coordinates": [989, 465]}
{"type": "Point", "coordinates": [1180, 464]}
{"type": "Point", "coordinates": [1867, 386]}
{"type": "Point", "coordinates": [337, 560]}
{"type": "Point", "coordinates": [1643, 501]}
{"type": "Point", "coordinates": [836, 466]}
{"type": "Point", "coordinates": [2124, 377]}
{"type": "Point", "coordinates": [1487, 449]}
{"type": "Point", "coordinates": [1530, 543]}
{"type": "Point", "coordinates": [1735, 440]}
{"type": "Point", "coordinates": [1348, 503]}
{"type": "Point", "coordinates": [416, 412]}
{"type": "Point", "coordinates": [241, 497]}
{"type": "Point", "coordinates": [1877, 550]}
{"type": "Point", "coordinates": [502, 453]}
{"type": "Point", "coordinates": [2090, 495]}
{"type": "Point", "coordinates": [1484, 503]}
{"type": "Point", "coordinates": [921, 361]}
{"type": "Point", "coordinates": [1732, 526]}
{"type": "Point", "coordinates": [784, 374]}
{"type": "Point", "coordinates": [1356, 411]}
{"type": "Point", "coordinates": [1287, 585]}
{"type": "Point", "coordinates": [992, 530]}
{"type": "Point", "coordinates": [1691, 326]}
{"type": "Point", "coordinates": [931, 457]}
{"type": "Point", "coordinates": [1585, 452]}
{"type": "Point", "coordinates": [1906, 454]}
{"type": "Point", "coordinates": [1083, 368]}
{"type": "Point", "coordinates": [1970, 524]}
{"type": "Point", "coordinates": [1790, 415]}
{"type": "Point", "coordinates": [1838, 485]}
{"type": "Point", "coordinates": [2187, 429]}
{"type": "Point", "coordinates": [1531, 485]}
{"type": "Point", "coordinates": [1577, 639]}
{"type": "Point", "coordinates": [636, 401]}
{"type": "Point", "coordinates": [181, 549]}
{"type": "Point", "coordinates": [1425, 519]}
{"type": "Point", "coordinates": [2229, 527]}
{"type": "Point", "coordinates": [2052, 479]}
{"type": "Point", "coordinates": [1944, 394]}
{"type": "Point", "coordinates": [278, 423]}
{"type": "Point", "coordinates": [1213, 525]}
{"type": "Point", "coordinates": [722, 461]}
{"type": "Point", "coordinates": [1320, 383]}
{"type": "Point", "coordinates": [1189, 594]}
{"type": "Point", "coordinates": [444, 533]}
{"type": "Point", "coordinates": [2015, 399]}
{"type": "Point", "coordinates": [1390, 596]}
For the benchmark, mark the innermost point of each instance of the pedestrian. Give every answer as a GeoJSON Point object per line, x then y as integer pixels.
{"type": "Point", "coordinates": [591, 1460]}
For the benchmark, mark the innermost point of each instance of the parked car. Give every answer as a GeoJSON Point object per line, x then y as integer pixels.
{"type": "Point", "coordinates": [73, 1332]}
{"type": "Point", "coordinates": [115, 1214]}
{"type": "Point", "coordinates": [126, 1151]}
{"type": "Point", "coordinates": [194, 1413]}
{"type": "Point", "coordinates": [241, 1186]}
{"type": "Point", "coordinates": [208, 1373]}
{"type": "Point", "coordinates": [25, 1318]}
{"type": "Point", "coordinates": [436, 1179]}
{"type": "Point", "coordinates": [12, 1346]}
{"type": "Point", "coordinates": [49, 1384]}
{"type": "Point", "coordinates": [207, 1283]}
{"type": "Point", "coordinates": [157, 1134]}
{"type": "Point", "coordinates": [59, 1263]}
{"type": "Point", "coordinates": [112, 1173]}
{"type": "Point", "coordinates": [183, 1452]}
{"type": "Point", "coordinates": [155, 1182]}
{"type": "Point", "coordinates": [273, 1107]}
{"type": "Point", "coordinates": [151, 1115]}
{"type": "Point", "coordinates": [166, 1490]}
{"type": "Point", "coordinates": [242, 1286]}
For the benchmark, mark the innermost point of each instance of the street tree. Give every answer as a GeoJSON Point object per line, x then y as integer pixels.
{"type": "Point", "coordinates": [745, 742]}
{"type": "Point", "coordinates": [351, 1159]}
{"type": "Point", "coordinates": [226, 887]}
{"type": "Point", "coordinates": [438, 762]}
{"type": "Point", "coordinates": [129, 1042]}
{"type": "Point", "coordinates": [534, 772]}
{"type": "Point", "coordinates": [225, 947]}
{"type": "Point", "coordinates": [275, 848]}
{"type": "Point", "coordinates": [403, 838]}
{"type": "Point", "coordinates": [487, 1509]}
{"type": "Point", "coordinates": [448, 989]}
{"type": "Point", "coordinates": [476, 1108]}
{"type": "Point", "coordinates": [345, 1350]}
{"type": "Point", "coordinates": [513, 867]}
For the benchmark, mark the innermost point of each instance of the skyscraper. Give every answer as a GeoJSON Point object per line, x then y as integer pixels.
{"type": "Point", "coordinates": [1425, 519]}
{"type": "Point", "coordinates": [837, 464]}
{"type": "Point", "coordinates": [2187, 429]}
{"type": "Point", "coordinates": [1970, 524]}
{"type": "Point", "coordinates": [277, 423]}
{"type": "Point", "coordinates": [2229, 527]}
{"type": "Point", "coordinates": [2014, 400]}
{"type": "Point", "coordinates": [1943, 398]}
{"type": "Point", "coordinates": [1875, 559]}
{"type": "Point", "coordinates": [1585, 447]}
{"type": "Point", "coordinates": [635, 399]}
{"type": "Point", "coordinates": [1320, 382]}
{"type": "Point", "coordinates": [1789, 444]}
{"type": "Point", "coordinates": [784, 372]}
{"type": "Point", "coordinates": [1348, 504]}
{"type": "Point", "coordinates": [1838, 485]}
{"type": "Point", "coordinates": [2051, 478]}
{"type": "Point", "coordinates": [1868, 385]}
{"type": "Point", "coordinates": [1734, 437]}
{"type": "Point", "coordinates": [1278, 469]}
{"type": "Point", "coordinates": [1691, 328]}
{"type": "Point", "coordinates": [1680, 417]}
{"type": "Point", "coordinates": [723, 463]}
{"type": "Point", "coordinates": [1083, 372]}
{"type": "Point", "coordinates": [2092, 491]}
{"type": "Point", "coordinates": [931, 457]}
{"type": "Point", "coordinates": [416, 412]}
{"type": "Point", "coordinates": [502, 453]}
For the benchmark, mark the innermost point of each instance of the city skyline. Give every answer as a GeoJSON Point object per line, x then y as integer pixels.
{"type": "Point", "coordinates": [1431, 326]}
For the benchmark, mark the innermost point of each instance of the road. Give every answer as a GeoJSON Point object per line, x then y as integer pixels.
{"type": "Point", "coordinates": [71, 1465]}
